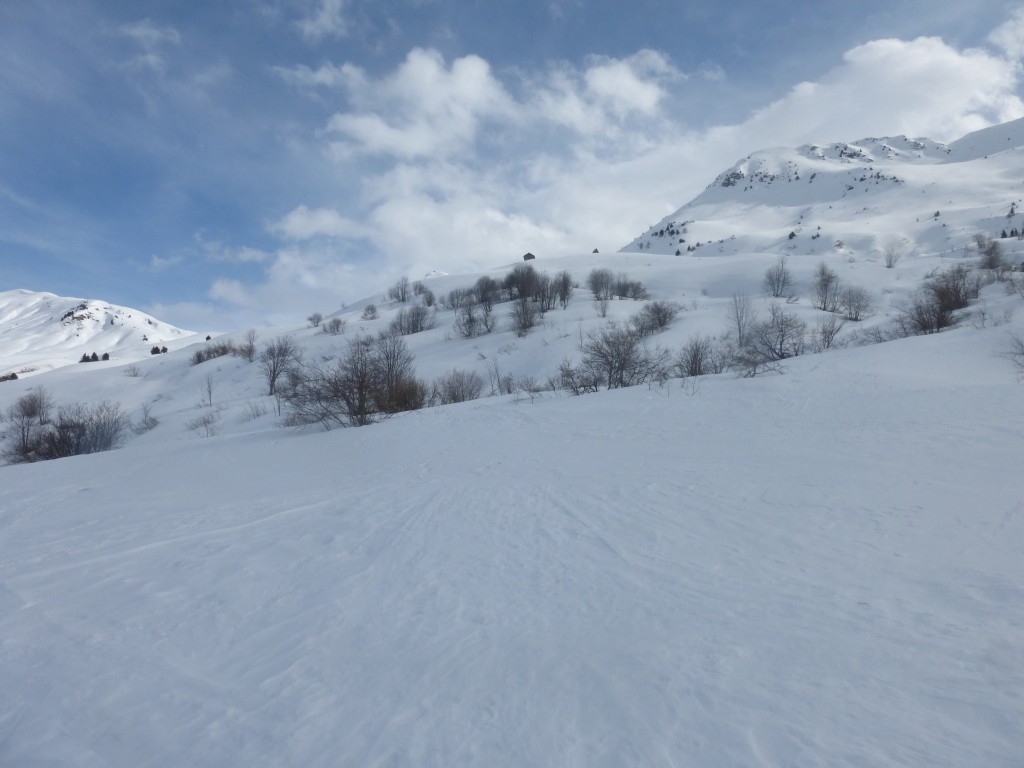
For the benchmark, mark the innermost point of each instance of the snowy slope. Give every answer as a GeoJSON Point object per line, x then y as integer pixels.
{"type": "Point", "coordinates": [854, 199]}
{"type": "Point", "coordinates": [815, 569]}
{"type": "Point", "coordinates": [41, 331]}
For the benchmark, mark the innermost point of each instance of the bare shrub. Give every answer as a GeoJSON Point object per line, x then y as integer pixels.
{"type": "Point", "coordinates": [563, 288]}
{"type": "Point", "coordinates": [373, 379]}
{"type": "Point", "coordinates": [457, 386]}
{"type": "Point", "coordinates": [524, 315]}
{"type": "Point", "coordinates": [315, 319]}
{"type": "Point", "coordinates": [618, 357]}
{"type": "Point", "coordinates": [601, 283]}
{"type": "Point", "coordinates": [501, 383]}
{"type": "Point", "coordinates": [778, 279]}
{"type": "Point", "coordinates": [413, 319]}
{"type": "Point", "coordinates": [521, 282]}
{"type": "Point", "coordinates": [991, 254]}
{"type": "Point", "coordinates": [626, 288]}
{"type": "Point", "coordinates": [601, 307]}
{"type": "Point", "coordinates": [488, 292]}
{"type": "Point", "coordinates": [578, 379]}
{"type": "Point", "coordinates": [1015, 353]}
{"type": "Point", "coordinates": [954, 288]}
{"type": "Point", "coordinates": [700, 356]}
{"type": "Point", "coordinates": [207, 425]}
{"type": "Point", "coordinates": [545, 293]}
{"type": "Point", "coordinates": [892, 254]}
{"type": "Point", "coordinates": [856, 302]}
{"type": "Point", "coordinates": [654, 317]}
{"type": "Point", "coordinates": [206, 389]}
{"type": "Point", "coordinates": [370, 312]}
{"type": "Point", "coordinates": [133, 371]}
{"type": "Point", "coordinates": [778, 337]}
{"type": "Point", "coordinates": [277, 358]}
{"type": "Point", "coordinates": [826, 288]}
{"type": "Point", "coordinates": [212, 351]}
{"type": "Point", "coordinates": [334, 327]}
{"type": "Point", "coordinates": [255, 410]}
{"type": "Point", "coordinates": [823, 336]}
{"type": "Point", "coordinates": [247, 348]}
{"type": "Point", "coordinates": [400, 290]}
{"type": "Point", "coordinates": [740, 317]}
{"type": "Point", "coordinates": [146, 420]}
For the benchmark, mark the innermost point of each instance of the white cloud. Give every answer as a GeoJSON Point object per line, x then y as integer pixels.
{"type": "Point", "coordinates": [151, 38]}
{"type": "Point", "coordinates": [305, 224]}
{"type": "Point", "coordinates": [157, 263]}
{"type": "Point", "coordinates": [424, 109]}
{"type": "Point", "coordinates": [632, 84]}
{"type": "Point", "coordinates": [326, 20]}
{"type": "Point", "coordinates": [1009, 36]}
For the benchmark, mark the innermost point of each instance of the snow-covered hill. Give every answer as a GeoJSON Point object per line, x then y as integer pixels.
{"type": "Point", "coordinates": [855, 199]}
{"type": "Point", "coordinates": [814, 568]}
{"type": "Point", "coordinates": [42, 331]}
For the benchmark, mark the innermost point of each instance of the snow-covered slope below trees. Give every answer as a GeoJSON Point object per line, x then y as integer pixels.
{"type": "Point", "coordinates": [821, 568]}
{"type": "Point", "coordinates": [41, 331]}
{"type": "Point", "coordinates": [855, 199]}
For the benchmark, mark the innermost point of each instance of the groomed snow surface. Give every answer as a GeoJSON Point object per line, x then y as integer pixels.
{"type": "Point", "coordinates": [816, 569]}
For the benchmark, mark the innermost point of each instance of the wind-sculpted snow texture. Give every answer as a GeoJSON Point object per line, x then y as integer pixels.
{"type": "Point", "coordinates": [821, 568]}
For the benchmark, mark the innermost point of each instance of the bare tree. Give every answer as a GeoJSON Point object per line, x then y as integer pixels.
{"type": "Point", "coordinates": [458, 386]}
{"type": "Point", "coordinates": [315, 319]}
{"type": "Point", "coordinates": [856, 302]}
{"type": "Point", "coordinates": [824, 334]}
{"type": "Point", "coordinates": [616, 354]}
{"type": "Point", "coordinates": [654, 317]}
{"type": "Point", "coordinates": [740, 317]}
{"type": "Point", "coordinates": [826, 288]}
{"type": "Point", "coordinates": [699, 357]}
{"type": "Point", "coordinates": [524, 315]}
{"type": "Point", "coordinates": [601, 283]}
{"type": "Point", "coordinates": [414, 319]}
{"type": "Point", "coordinates": [278, 357]}
{"type": "Point", "coordinates": [370, 312]}
{"type": "Point", "coordinates": [207, 389]}
{"type": "Point", "coordinates": [778, 279]}
{"type": "Point", "coordinates": [563, 288]}
{"type": "Point", "coordinates": [778, 337]}
{"type": "Point", "coordinates": [247, 348]}
{"type": "Point", "coordinates": [334, 326]}
{"type": "Point", "coordinates": [1015, 354]}
{"type": "Point", "coordinates": [892, 254]}
{"type": "Point", "coordinates": [400, 290]}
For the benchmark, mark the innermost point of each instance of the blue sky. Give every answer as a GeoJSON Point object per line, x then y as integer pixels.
{"type": "Point", "coordinates": [250, 161]}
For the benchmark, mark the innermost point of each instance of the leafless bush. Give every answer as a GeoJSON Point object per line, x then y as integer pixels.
{"type": "Point", "coordinates": [654, 317]}
{"type": "Point", "coordinates": [778, 279]}
{"type": "Point", "coordinates": [370, 312]}
{"type": "Point", "coordinates": [601, 307]}
{"type": "Point", "coordinates": [428, 298]}
{"type": "Point", "coordinates": [601, 283]}
{"type": "Point", "coordinates": [501, 383]}
{"type": "Point", "coordinates": [524, 315]}
{"type": "Point", "coordinates": [211, 351]}
{"type": "Point", "coordinates": [255, 410]}
{"type": "Point", "coordinates": [740, 317]}
{"type": "Point", "coordinates": [521, 282]}
{"type": "Point", "coordinates": [374, 378]}
{"type": "Point", "coordinates": [629, 289]}
{"type": "Point", "coordinates": [1015, 353]}
{"type": "Point", "coordinates": [334, 327]}
{"type": "Point", "coordinates": [413, 319]}
{"type": "Point", "coordinates": [247, 348]}
{"type": "Point", "coordinates": [473, 319]}
{"type": "Point", "coordinates": [488, 292]}
{"type": "Point", "coordinates": [563, 288]}
{"type": "Point", "coordinates": [856, 302]}
{"type": "Point", "coordinates": [146, 420]}
{"type": "Point", "coordinates": [206, 425]}
{"type": "Point", "coordinates": [892, 254]}
{"type": "Point", "coordinates": [954, 288]}
{"type": "Point", "coordinates": [457, 386]}
{"type": "Point", "coordinates": [991, 255]}
{"type": "Point", "coordinates": [400, 290]}
{"type": "Point", "coordinates": [824, 334]}
{"type": "Point", "coordinates": [578, 379]}
{"type": "Point", "coordinates": [778, 337]}
{"type": "Point", "coordinates": [701, 356]}
{"type": "Point", "coordinates": [133, 371]}
{"type": "Point", "coordinates": [618, 357]}
{"type": "Point", "coordinates": [277, 358]}
{"type": "Point", "coordinates": [826, 288]}
{"type": "Point", "coordinates": [206, 389]}
{"type": "Point", "coordinates": [920, 313]}
{"type": "Point", "coordinates": [315, 319]}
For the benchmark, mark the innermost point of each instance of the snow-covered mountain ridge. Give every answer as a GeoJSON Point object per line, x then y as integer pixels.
{"type": "Point", "coordinates": [40, 331]}
{"type": "Point", "coordinates": [854, 199]}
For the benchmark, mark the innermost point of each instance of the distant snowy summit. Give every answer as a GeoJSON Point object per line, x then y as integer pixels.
{"type": "Point", "coordinates": [855, 198]}
{"type": "Point", "coordinates": [41, 331]}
